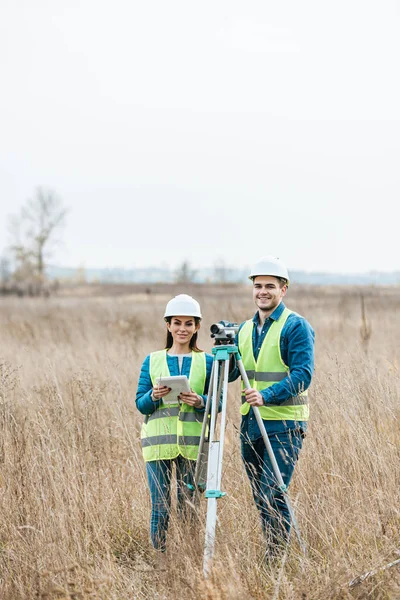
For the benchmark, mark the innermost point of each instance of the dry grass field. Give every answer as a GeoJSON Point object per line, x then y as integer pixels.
{"type": "Point", "coordinates": [73, 494]}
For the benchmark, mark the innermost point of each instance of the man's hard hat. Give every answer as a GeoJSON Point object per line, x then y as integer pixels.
{"type": "Point", "coordinates": [269, 265]}
{"type": "Point", "coordinates": [182, 305]}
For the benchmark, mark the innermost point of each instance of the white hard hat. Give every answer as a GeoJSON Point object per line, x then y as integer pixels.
{"type": "Point", "coordinates": [269, 265]}
{"type": "Point", "coordinates": [183, 305]}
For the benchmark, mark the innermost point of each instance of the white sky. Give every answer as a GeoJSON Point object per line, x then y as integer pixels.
{"type": "Point", "coordinates": [205, 131]}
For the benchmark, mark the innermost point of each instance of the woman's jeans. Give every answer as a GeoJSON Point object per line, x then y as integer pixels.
{"type": "Point", "coordinates": [269, 499]}
{"type": "Point", "coordinates": [159, 475]}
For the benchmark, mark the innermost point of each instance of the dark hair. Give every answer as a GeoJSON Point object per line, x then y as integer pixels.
{"type": "Point", "coordinates": [193, 342]}
{"type": "Point", "coordinates": [282, 281]}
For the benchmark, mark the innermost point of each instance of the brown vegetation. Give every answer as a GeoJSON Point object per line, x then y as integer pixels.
{"type": "Point", "coordinates": [73, 493]}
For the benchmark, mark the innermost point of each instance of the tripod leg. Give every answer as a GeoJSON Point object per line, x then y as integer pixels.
{"type": "Point", "coordinates": [214, 472]}
{"type": "Point", "coordinates": [202, 445]}
{"type": "Point", "coordinates": [272, 458]}
{"type": "Point", "coordinates": [211, 522]}
{"type": "Point", "coordinates": [201, 480]}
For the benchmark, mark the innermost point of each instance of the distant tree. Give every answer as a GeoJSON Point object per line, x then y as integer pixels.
{"type": "Point", "coordinates": [22, 259]}
{"type": "Point", "coordinates": [80, 275]}
{"type": "Point", "coordinates": [184, 273]}
{"type": "Point", "coordinates": [5, 269]}
{"type": "Point", "coordinates": [34, 231]}
{"type": "Point", "coordinates": [220, 271]}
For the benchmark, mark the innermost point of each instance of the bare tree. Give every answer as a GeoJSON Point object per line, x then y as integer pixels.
{"type": "Point", "coordinates": [184, 273]}
{"type": "Point", "coordinates": [5, 269]}
{"type": "Point", "coordinates": [23, 267]}
{"type": "Point", "coordinates": [34, 231]}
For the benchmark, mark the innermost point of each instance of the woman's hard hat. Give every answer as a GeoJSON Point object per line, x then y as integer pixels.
{"type": "Point", "coordinates": [269, 265]}
{"type": "Point", "coordinates": [182, 305]}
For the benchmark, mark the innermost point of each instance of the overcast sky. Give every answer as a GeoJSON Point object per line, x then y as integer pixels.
{"type": "Point", "coordinates": [213, 130]}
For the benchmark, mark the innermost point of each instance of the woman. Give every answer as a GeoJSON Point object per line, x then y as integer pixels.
{"type": "Point", "coordinates": [171, 433]}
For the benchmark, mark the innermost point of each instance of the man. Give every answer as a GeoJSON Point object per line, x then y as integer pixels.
{"type": "Point", "coordinates": [277, 350]}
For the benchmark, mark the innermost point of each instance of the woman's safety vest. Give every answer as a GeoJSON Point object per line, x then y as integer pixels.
{"type": "Point", "coordinates": [174, 429]}
{"type": "Point", "coordinates": [268, 369]}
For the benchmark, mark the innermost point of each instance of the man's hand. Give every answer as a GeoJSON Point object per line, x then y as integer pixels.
{"type": "Point", "coordinates": [191, 398]}
{"type": "Point", "coordinates": [253, 397]}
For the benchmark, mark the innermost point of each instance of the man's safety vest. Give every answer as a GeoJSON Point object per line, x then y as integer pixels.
{"type": "Point", "coordinates": [268, 369]}
{"type": "Point", "coordinates": [174, 429]}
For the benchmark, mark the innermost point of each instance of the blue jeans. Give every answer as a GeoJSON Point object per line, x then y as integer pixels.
{"type": "Point", "coordinates": [275, 517]}
{"type": "Point", "coordinates": [159, 474]}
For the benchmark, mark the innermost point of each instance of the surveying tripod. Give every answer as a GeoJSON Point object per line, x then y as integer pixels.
{"type": "Point", "coordinates": [211, 451]}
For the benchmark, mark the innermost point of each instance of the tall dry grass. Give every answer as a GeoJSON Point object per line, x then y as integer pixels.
{"type": "Point", "coordinates": [73, 493]}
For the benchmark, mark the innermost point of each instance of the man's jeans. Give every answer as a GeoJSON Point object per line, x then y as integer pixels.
{"type": "Point", "coordinates": [159, 474]}
{"type": "Point", "coordinates": [275, 517]}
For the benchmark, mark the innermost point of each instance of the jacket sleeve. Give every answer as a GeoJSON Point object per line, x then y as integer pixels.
{"type": "Point", "coordinates": [299, 338]}
{"type": "Point", "coordinates": [144, 403]}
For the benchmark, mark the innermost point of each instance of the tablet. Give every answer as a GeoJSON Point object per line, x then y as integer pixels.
{"type": "Point", "coordinates": [177, 383]}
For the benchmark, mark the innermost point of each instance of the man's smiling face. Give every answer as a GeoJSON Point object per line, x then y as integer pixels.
{"type": "Point", "coordinates": [267, 292]}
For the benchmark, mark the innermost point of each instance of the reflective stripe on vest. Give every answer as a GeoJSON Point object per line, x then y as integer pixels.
{"type": "Point", "coordinates": [173, 411]}
{"type": "Point", "coordinates": [174, 429]}
{"type": "Point", "coordinates": [159, 440]}
{"type": "Point", "coordinates": [266, 376]}
{"type": "Point", "coordinates": [269, 369]}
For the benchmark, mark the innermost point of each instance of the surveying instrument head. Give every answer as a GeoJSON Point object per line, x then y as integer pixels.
{"type": "Point", "coordinates": [224, 332]}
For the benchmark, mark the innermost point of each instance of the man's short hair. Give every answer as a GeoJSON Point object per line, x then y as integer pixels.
{"type": "Point", "coordinates": [282, 281]}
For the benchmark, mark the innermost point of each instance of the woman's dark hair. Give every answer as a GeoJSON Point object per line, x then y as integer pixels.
{"type": "Point", "coordinates": [193, 342]}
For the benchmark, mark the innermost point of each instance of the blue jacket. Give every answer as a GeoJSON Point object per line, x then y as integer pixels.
{"type": "Point", "coordinates": [144, 402]}
{"type": "Point", "coordinates": [297, 351]}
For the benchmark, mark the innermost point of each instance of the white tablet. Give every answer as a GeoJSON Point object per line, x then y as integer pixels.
{"type": "Point", "coordinates": [177, 383]}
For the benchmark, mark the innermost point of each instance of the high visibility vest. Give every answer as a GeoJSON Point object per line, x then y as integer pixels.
{"type": "Point", "coordinates": [268, 369]}
{"type": "Point", "coordinates": [174, 429]}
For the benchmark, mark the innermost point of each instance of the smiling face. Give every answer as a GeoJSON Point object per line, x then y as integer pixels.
{"type": "Point", "coordinates": [182, 329]}
{"type": "Point", "coordinates": [267, 293]}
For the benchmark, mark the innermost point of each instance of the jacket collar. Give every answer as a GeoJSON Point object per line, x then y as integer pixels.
{"type": "Point", "coordinates": [273, 316]}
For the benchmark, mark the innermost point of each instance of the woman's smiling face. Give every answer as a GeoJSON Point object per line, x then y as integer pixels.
{"type": "Point", "coordinates": [182, 329]}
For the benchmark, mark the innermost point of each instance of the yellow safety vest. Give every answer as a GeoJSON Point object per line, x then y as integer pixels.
{"type": "Point", "coordinates": [268, 369]}
{"type": "Point", "coordinates": [174, 429]}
